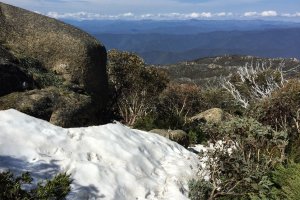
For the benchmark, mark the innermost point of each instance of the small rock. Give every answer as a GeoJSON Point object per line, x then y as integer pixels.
{"type": "Point", "coordinates": [178, 136]}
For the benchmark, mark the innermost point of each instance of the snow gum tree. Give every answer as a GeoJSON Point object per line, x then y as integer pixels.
{"type": "Point", "coordinates": [135, 87]}
{"type": "Point", "coordinates": [253, 82]}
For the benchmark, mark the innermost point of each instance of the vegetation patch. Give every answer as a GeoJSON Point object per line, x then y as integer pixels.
{"type": "Point", "coordinates": [14, 187]}
{"type": "Point", "coordinates": [42, 77]}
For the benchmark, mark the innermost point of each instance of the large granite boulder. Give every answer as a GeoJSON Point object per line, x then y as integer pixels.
{"type": "Point", "coordinates": [56, 70]}
{"type": "Point", "coordinates": [63, 49]}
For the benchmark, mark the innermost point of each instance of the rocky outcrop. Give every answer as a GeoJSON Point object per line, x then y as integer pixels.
{"type": "Point", "coordinates": [63, 49]}
{"type": "Point", "coordinates": [178, 136]}
{"type": "Point", "coordinates": [213, 115]}
{"type": "Point", "coordinates": [66, 83]}
{"type": "Point", "coordinates": [58, 106]}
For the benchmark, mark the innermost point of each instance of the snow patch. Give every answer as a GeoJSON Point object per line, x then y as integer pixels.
{"type": "Point", "coordinates": [106, 162]}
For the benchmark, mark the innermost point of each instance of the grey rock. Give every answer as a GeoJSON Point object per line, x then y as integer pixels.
{"type": "Point", "coordinates": [178, 136]}
{"type": "Point", "coordinates": [61, 48]}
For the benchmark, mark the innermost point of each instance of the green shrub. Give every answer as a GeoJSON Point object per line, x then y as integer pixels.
{"type": "Point", "coordinates": [182, 100]}
{"type": "Point", "coordinates": [195, 131]}
{"type": "Point", "coordinates": [281, 109]}
{"type": "Point", "coordinates": [286, 182]}
{"type": "Point", "coordinates": [173, 107]}
{"type": "Point", "coordinates": [135, 87]}
{"type": "Point", "coordinates": [147, 123]}
{"type": "Point", "coordinates": [56, 188]}
{"type": "Point", "coordinates": [217, 97]}
{"type": "Point", "coordinates": [12, 188]}
{"type": "Point", "coordinates": [160, 120]}
{"type": "Point", "coordinates": [240, 164]}
{"type": "Point", "coordinates": [282, 112]}
{"type": "Point", "coordinates": [41, 76]}
{"type": "Point", "coordinates": [199, 189]}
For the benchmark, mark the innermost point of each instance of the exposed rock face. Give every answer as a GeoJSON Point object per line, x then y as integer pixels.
{"type": "Point", "coordinates": [69, 52]}
{"type": "Point", "coordinates": [50, 70]}
{"type": "Point", "coordinates": [178, 136]}
{"type": "Point", "coordinates": [213, 115]}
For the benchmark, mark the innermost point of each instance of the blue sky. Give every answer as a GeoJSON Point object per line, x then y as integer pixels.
{"type": "Point", "coordinates": [163, 9]}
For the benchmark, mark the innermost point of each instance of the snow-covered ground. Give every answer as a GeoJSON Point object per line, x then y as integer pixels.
{"type": "Point", "coordinates": [106, 162]}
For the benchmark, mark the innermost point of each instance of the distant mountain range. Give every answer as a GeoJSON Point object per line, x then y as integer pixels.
{"type": "Point", "coordinates": [162, 42]}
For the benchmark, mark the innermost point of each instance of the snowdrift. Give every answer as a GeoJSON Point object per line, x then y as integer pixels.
{"type": "Point", "coordinates": [106, 162]}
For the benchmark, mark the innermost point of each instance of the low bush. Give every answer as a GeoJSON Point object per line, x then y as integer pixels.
{"type": "Point", "coordinates": [286, 182]}
{"type": "Point", "coordinates": [14, 188]}
{"type": "Point", "coordinates": [41, 76]}
{"type": "Point", "coordinates": [147, 123]}
{"type": "Point", "coordinates": [160, 120]}
{"type": "Point", "coordinates": [217, 97]}
{"type": "Point", "coordinates": [175, 104]}
{"type": "Point", "coordinates": [134, 87]}
{"type": "Point", "coordinates": [282, 112]}
{"type": "Point", "coordinates": [199, 189]}
{"type": "Point", "coordinates": [182, 100]}
{"type": "Point", "coordinates": [195, 131]}
{"type": "Point", "coordinates": [244, 154]}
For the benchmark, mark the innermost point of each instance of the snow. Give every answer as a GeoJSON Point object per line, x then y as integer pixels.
{"type": "Point", "coordinates": [106, 162]}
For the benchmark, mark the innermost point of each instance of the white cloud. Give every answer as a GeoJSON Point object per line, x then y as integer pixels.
{"type": "Point", "coordinates": [222, 14]}
{"type": "Point", "coordinates": [89, 16]}
{"type": "Point", "coordinates": [162, 16]}
{"type": "Point", "coordinates": [269, 13]}
{"type": "Point", "coordinates": [250, 14]}
{"type": "Point", "coordinates": [195, 15]}
{"type": "Point", "coordinates": [130, 15]}
{"type": "Point", "coordinates": [140, 8]}
{"type": "Point", "coordinates": [167, 16]}
{"type": "Point", "coordinates": [297, 14]}
{"type": "Point", "coordinates": [146, 16]}
{"type": "Point", "coordinates": [205, 14]}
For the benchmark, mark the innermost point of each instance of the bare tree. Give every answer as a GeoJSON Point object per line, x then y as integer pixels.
{"type": "Point", "coordinates": [258, 80]}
